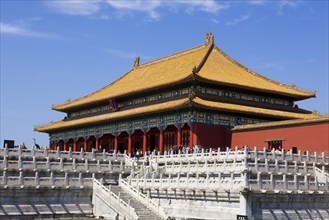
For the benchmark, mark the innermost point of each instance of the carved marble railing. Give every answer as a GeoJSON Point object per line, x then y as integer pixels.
{"type": "Point", "coordinates": [146, 200]}
{"type": "Point", "coordinates": [93, 155]}
{"type": "Point", "coordinates": [49, 181]}
{"type": "Point", "coordinates": [74, 165]}
{"type": "Point", "coordinates": [232, 182]}
{"type": "Point", "coordinates": [228, 155]}
{"type": "Point", "coordinates": [279, 166]}
{"type": "Point", "coordinates": [264, 154]}
{"type": "Point", "coordinates": [114, 201]}
{"type": "Point", "coordinates": [287, 185]}
{"type": "Point", "coordinates": [206, 167]}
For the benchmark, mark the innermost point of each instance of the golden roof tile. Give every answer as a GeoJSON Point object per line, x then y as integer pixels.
{"type": "Point", "coordinates": [221, 68]}
{"type": "Point", "coordinates": [64, 124]}
{"type": "Point", "coordinates": [251, 110]}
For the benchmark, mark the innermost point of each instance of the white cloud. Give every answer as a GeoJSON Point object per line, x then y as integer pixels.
{"type": "Point", "coordinates": [237, 20]}
{"type": "Point", "coordinates": [18, 30]}
{"type": "Point", "coordinates": [287, 3]}
{"type": "Point", "coordinates": [257, 2]}
{"type": "Point", "coordinates": [124, 54]}
{"type": "Point", "coordinates": [75, 7]}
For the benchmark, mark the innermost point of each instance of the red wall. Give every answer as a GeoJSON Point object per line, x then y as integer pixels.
{"type": "Point", "coordinates": [304, 137]}
{"type": "Point", "coordinates": [210, 136]}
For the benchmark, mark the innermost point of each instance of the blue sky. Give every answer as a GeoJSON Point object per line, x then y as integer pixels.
{"type": "Point", "coordinates": [55, 50]}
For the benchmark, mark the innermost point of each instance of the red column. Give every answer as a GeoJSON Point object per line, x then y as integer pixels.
{"type": "Point", "coordinates": [65, 142]}
{"type": "Point", "coordinates": [191, 136]}
{"type": "Point", "coordinates": [75, 145]}
{"type": "Point", "coordinates": [161, 141]}
{"type": "Point", "coordinates": [85, 145]}
{"type": "Point", "coordinates": [97, 142]}
{"type": "Point", "coordinates": [116, 143]}
{"type": "Point", "coordinates": [129, 143]}
{"type": "Point", "coordinates": [179, 135]}
{"type": "Point", "coordinates": [144, 142]}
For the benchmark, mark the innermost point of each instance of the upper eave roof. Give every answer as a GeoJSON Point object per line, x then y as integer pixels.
{"type": "Point", "coordinates": [172, 105]}
{"type": "Point", "coordinates": [207, 61]}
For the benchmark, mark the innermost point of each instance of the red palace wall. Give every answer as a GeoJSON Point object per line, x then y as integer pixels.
{"type": "Point", "coordinates": [210, 136]}
{"type": "Point", "coordinates": [304, 137]}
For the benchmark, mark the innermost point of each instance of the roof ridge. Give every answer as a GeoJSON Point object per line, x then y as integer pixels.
{"type": "Point", "coordinates": [174, 55]}
{"type": "Point", "coordinates": [310, 92]}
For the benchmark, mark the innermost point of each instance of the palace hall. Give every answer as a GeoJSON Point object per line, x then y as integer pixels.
{"type": "Point", "coordinates": [194, 97]}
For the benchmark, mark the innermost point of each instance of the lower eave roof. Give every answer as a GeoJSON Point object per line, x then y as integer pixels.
{"type": "Point", "coordinates": [172, 105]}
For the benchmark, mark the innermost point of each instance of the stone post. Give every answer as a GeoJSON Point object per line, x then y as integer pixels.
{"type": "Point", "coordinates": [46, 152]}
{"type": "Point", "coordinates": [74, 165]}
{"type": "Point", "coordinates": [87, 166]}
{"type": "Point", "coordinates": [34, 162]}
{"type": "Point", "coordinates": [99, 167]}
{"type": "Point", "coordinates": [5, 162]}
{"type": "Point", "coordinates": [19, 163]}
{"type": "Point", "coordinates": [66, 180]}
{"type": "Point", "coordinates": [5, 154]}
{"type": "Point", "coordinates": [82, 153]}
{"type": "Point", "coordinates": [21, 179]}
{"type": "Point", "coordinates": [48, 164]}
{"type": "Point", "coordinates": [61, 164]}
{"type": "Point", "coordinates": [110, 166]}
{"type": "Point", "coordinates": [80, 180]}
{"type": "Point", "coordinates": [70, 152]}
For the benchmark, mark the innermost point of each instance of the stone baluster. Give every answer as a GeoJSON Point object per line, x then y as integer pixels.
{"type": "Point", "coordinates": [315, 157]}
{"type": "Point", "coordinates": [202, 154]}
{"type": "Point", "coordinates": [295, 182]}
{"type": "Point", "coordinates": [52, 179]}
{"type": "Point", "coordinates": [299, 155]}
{"type": "Point", "coordinates": [104, 154]}
{"type": "Point", "coordinates": [48, 164]}
{"type": "Point", "coordinates": [266, 165]}
{"type": "Point", "coordinates": [259, 180]}
{"type": "Point", "coordinates": [93, 176]}
{"type": "Point", "coordinates": [66, 179]}
{"type": "Point", "coordinates": [273, 154]}
{"type": "Point", "coordinates": [101, 181]}
{"type": "Point", "coordinates": [255, 153]}
{"type": "Point", "coordinates": [286, 166]}
{"type": "Point", "coordinates": [232, 180]}
{"type": "Point", "coordinates": [37, 179]}
{"type": "Point", "coordinates": [283, 154]}
{"type": "Point", "coordinates": [80, 180]}
{"type": "Point", "coordinates": [58, 152]}
{"type": "Point", "coordinates": [272, 182]}
{"type": "Point", "coordinates": [264, 153]}
{"type": "Point", "coordinates": [34, 162]}
{"type": "Point", "coordinates": [74, 165]}
{"type": "Point", "coordinates": [305, 166]}
{"type": "Point", "coordinates": [307, 156]}
{"type": "Point", "coordinates": [70, 153]}
{"type": "Point", "coordinates": [61, 164]}
{"type": "Point", "coordinates": [110, 166]}
{"type": "Point", "coordinates": [122, 167]}
{"type": "Point", "coordinates": [109, 188]}
{"type": "Point", "coordinates": [5, 162]}
{"type": "Point", "coordinates": [4, 178]}
{"type": "Point", "coordinates": [6, 151]}
{"type": "Point", "coordinates": [46, 153]}
{"type": "Point", "coordinates": [316, 183]}
{"type": "Point", "coordinates": [296, 166]}
{"type": "Point", "coordinates": [307, 186]}
{"type": "Point", "coordinates": [19, 163]}
{"type": "Point", "coordinates": [256, 164]}
{"type": "Point", "coordinates": [115, 156]}
{"type": "Point", "coordinates": [93, 154]}
{"type": "Point", "coordinates": [285, 182]}
{"type": "Point", "coordinates": [86, 166]}
{"type": "Point", "coordinates": [21, 179]}
{"type": "Point", "coordinates": [33, 152]}
{"type": "Point", "coordinates": [323, 157]}
{"type": "Point", "coordinates": [99, 167]}
{"type": "Point", "coordinates": [19, 151]}
{"type": "Point", "coordinates": [82, 153]}
{"type": "Point", "coordinates": [276, 164]}
{"type": "Point", "coordinates": [219, 180]}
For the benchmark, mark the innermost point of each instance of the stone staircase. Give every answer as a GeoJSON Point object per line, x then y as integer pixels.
{"type": "Point", "coordinates": [142, 211]}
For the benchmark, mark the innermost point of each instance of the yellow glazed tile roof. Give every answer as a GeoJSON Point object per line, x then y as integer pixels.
{"type": "Point", "coordinates": [214, 64]}
{"type": "Point", "coordinates": [251, 110]}
{"type": "Point", "coordinates": [285, 123]}
{"type": "Point", "coordinates": [164, 71]}
{"type": "Point", "coordinates": [113, 115]}
{"type": "Point", "coordinates": [220, 68]}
